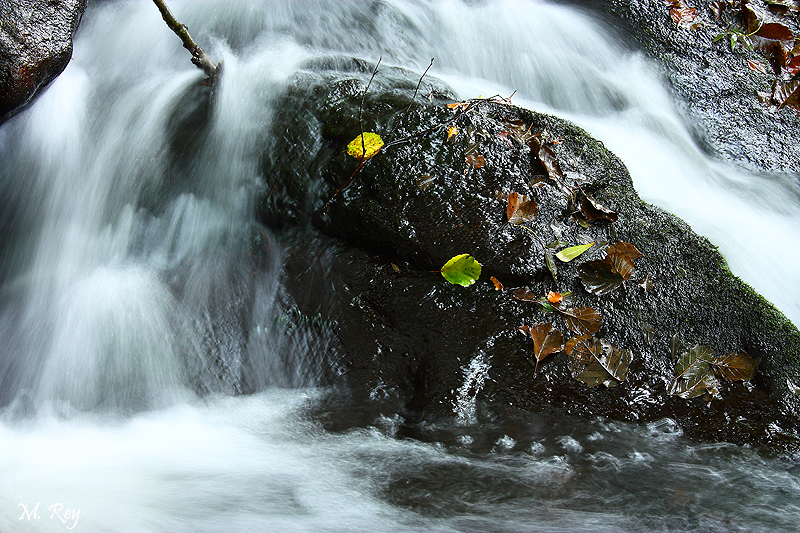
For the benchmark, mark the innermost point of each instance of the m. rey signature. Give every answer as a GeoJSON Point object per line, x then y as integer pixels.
{"type": "Point", "coordinates": [57, 512]}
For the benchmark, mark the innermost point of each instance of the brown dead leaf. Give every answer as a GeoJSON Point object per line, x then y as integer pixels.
{"type": "Point", "coordinates": [475, 160]}
{"type": "Point", "coordinates": [593, 210]}
{"type": "Point", "coordinates": [520, 208]}
{"type": "Point", "coordinates": [735, 366]}
{"type": "Point", "coordinates": [582, 320]}
{"type": "Point", "coordinates": [546, 341]}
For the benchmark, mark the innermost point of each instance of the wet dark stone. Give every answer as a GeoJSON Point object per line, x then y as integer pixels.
{"type": "Point", "coordinates": [714, 85]}
{"type": "Point", "coordinates": [35, 47]}
{"type": "Point", "coordinates": [404, 341]}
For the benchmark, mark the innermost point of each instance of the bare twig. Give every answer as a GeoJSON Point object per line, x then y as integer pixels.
{"type": "Point", "coordinates": [199, 58]}
{"type": "Point", "coordinates": [414, 96]}
{"type": "Point", "coordinates": [361, 109]}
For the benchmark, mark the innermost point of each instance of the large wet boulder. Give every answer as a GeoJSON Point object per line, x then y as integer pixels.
{"type": "Point", "coordinates": [35, 47]}
{"type": "Point", "coordinates": [716, 83]}
{"type": "Point", "coordinates": [407, 341]}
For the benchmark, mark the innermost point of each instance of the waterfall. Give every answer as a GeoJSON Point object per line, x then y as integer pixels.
{"type": "Point", "coordinates": [133, 310]}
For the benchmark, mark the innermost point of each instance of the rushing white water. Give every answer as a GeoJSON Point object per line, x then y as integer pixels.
{"type": "Point", "coordinates": [108, 301]}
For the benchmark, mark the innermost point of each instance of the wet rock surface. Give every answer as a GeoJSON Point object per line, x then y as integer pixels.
{"type": "Point", "coordinates": [404, 341]}
{"type": "Point", "coordinates": [717, 87]}
{"type": "Point", "coordinates": [35, 46]}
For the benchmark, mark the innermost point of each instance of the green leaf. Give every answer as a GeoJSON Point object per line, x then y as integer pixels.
{"type": "Point", "coordinates": [462, 270]}
{"type": "Point", "coordinates": [365, 145]}
{"type": "Point", "coordinates": [568, 254]}
{"type": "Point", "coordinates": [735, 366]}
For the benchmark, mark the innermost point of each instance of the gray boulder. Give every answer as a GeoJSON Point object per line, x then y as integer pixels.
{"type": "Point", "coordinates": [405, 341]}
{"type": "Point", "coordinates": [35, 47]}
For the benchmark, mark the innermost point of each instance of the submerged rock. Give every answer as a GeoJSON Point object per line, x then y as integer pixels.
{"type": "Point", "coordinates": [408, 342]}
{"type": "Point", "coordinates": [35, 47]}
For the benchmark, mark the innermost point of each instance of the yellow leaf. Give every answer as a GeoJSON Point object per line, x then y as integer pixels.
{"type": "Point", "coordinates": [452, 131]}
{"type": "Point", "coordinates": [371, 145]}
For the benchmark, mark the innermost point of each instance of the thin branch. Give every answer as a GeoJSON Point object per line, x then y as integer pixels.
{"type": "Point", "coordinates": [199, 58]}
{"type": "Point", "coordinates": [414, 97]}
{"type": "Point", "coordinates": [361, 109]}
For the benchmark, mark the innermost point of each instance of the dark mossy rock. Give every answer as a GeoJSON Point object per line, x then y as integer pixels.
{"type": "Point", "coordinates": [35, 47]}
{"type": "Point", "coordinates": [717, 87]}
{"type": "Point", "coordinates": [409, 342]}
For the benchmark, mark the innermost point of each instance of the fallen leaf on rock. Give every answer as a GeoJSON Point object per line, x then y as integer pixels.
{"type": "Point", "coordinates": [461, 270]}
{"type": "Point", "coordinates": [682, 14]}
{"type": "Point", "coordinates": [425, 182]}
{"type": "Point", "coordinates": [620, 256]}
{"type": "Point", "coordinates": [568, 254]}
{"type": "Point", "coordinates": [674, 346]}
{"type": "Point", "coordinates": [776, 52]}
{"type": "Point", "coordinates": [646, 285]}
{"type": "Point", "coordinates": [522, 134]}
{"type": "Point", "coordinates": [497, 285]}
{"type": "Point", "coordinates": [524, 294]}
{"type": "Point", "coordinates": [693, 376]}
{"type": "Point", "coordinates": [757, 66]}
{"type": "Point", "coordinates": [365, 145]}
{"type": "Point", "coordinates": [506, 136]}
{"type": "Point", "coordinates": [788, 94]}
{"type": "Point", "coordinates": [598, 277]}
{"type": "Point", "coordinates": [595, 361]}
{"type": "Point", "coordinates": [751, 16]}
{"type": "Point", "coordinates": [793, 66]}
{"type": "Point", "coordinates": [594, 210]}
{"type": "Point", "coordinates": [546, 341]}
{"type": "Point", "coordinates": [735, 366]}
{"type": "Point", "coordinates": [775, 31]}
{"type": "Point", "coordinates": [684, 17]}
{"type": "Point", "coordinates": [475, 160]}
{"type": "Point", "coordinates": [458, 106]}
{"type": "Point", "coordinates": [550, 260]}
{"type": "Point", "coordinates": [717, 8]}
{"type": "Point", "coordinates": [582, 320]}
{"type": "Point", "coordinates": [550, 163]}
{"type": "Point", "coordinates": [520, 208]}
{"type": "Point", "coordinates": [452, 131]}
{"type": "Point", "coordinates": [555, 298]}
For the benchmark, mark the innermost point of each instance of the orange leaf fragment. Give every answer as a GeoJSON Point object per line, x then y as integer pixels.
{"type": "Point", "coordinates": [555, 297]}
{"type": "Point", "coordinates": [497, 285]}
{"type": "Point", "coordinates": [458, 105]}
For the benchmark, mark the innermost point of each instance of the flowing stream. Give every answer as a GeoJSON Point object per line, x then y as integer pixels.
{"type": "Point", "coordinates": [109, 298]}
